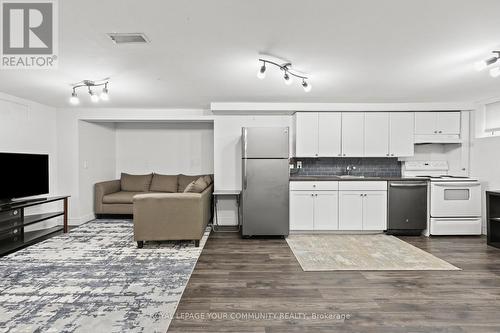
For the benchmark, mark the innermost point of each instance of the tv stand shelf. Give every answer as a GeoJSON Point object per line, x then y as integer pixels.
{"type": "Point", "coordinates": [13, 221]}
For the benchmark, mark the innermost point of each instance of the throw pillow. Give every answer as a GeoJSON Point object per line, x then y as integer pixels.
{"type": "Point", "coordinates": [197, 186]}
{"type": "Point", "coordinates": [184, 180]}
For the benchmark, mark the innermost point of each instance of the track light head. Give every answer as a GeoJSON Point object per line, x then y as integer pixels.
{"type": "Point", "coordinates": [307, 86]}
{"type": "Point", "coordinates": [287, 78]}
{"type": "Point", "coordinates": [104, 95]}
{"type": "Point", "coordinates": [93, 97]}
{"type": "Point", "coordinates": [261, 74]}
{"type": "Point", "coordinates": [74, 98]}
{"type": "Point", "coordinates": [480, 65]}
{"type": "Point", "coordinates": [495, 72]}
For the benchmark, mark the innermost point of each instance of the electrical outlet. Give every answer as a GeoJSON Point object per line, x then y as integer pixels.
{"type": "Point", "coordinates": [299, 164]}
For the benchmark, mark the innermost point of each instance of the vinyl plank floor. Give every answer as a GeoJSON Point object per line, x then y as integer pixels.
{"type": "Point", "coordinates": [236, 278]}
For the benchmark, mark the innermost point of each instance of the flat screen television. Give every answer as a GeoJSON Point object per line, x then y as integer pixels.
{"type": "Point", "coordinates": [23, 175]}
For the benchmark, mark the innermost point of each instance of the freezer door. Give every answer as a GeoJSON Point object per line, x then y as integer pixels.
{"type": "Point", "coordinates": [265, 142]}
{"type": "Point", "coordinates": [265, 197]}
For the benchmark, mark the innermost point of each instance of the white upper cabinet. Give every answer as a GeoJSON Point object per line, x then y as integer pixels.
{"type": "Point", "coordinates": [448, 122]}
{"type": "Point", "coordinates": [362, 134]}
{"type": "Point", "coordinates": [306, 135]}
{"type": "Point", "coordinates": [439, 127]}
{"type": "Point", "coordinates": [353, 128]}
{"type": "Point", "coordinates": [401, 138]}
{"type": "Point", "coordinates": [376, 138]}
{"type": "Point", "coordinates": [425, 123]}
{"type": "Point", "coordinates": [330, 134]}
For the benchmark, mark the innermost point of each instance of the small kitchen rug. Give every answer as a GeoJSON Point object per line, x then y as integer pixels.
{"type": "Point", "coordinates": [95, 279]}
{"type": "Point", "coordinates": [377, 252]}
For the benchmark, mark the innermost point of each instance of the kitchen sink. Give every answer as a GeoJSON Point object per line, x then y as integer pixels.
{"type": "Point", "coordinates": [350, 177]}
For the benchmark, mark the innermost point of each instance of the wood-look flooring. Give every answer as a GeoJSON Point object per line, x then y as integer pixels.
{"type": "Point", "coordinates": [240, 276]}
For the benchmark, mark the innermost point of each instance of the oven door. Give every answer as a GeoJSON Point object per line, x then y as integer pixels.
{"type": "Point", "coordinates": [460, 199]}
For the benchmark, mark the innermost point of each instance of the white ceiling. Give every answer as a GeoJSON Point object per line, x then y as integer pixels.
{"type": "Point", "coordinates": [205, 51]}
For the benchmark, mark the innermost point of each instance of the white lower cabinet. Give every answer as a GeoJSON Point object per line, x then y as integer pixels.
{"type": "Point", "coordinates": [313, 206]}
{"type": "Point", "coordinates": [351, 210]}
{"type": "Point", "coordinates": [375, 210]}
{"type": "Point", "coordinates": [345, 205]}
{"type": "Point", "coordinates": [326, 210]}
{"type": "Point", "coordinates": [301, 210]}
{"type": "Point", "coordinates": [363, 206]}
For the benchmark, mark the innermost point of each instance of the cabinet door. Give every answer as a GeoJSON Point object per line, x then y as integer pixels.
{"type": "Point", "coordinates": [401, 138]}
{"type": "Point", "coordinates": [330, 134]}
{"type": "Point", "coordinates": [425, 123]}
{"type": "Point", "coordinates": [326, 213]}
{"type": "Point", "coordinates": [375, 210]}
{"type": "Point", "coordinates": [301, 210]}
{"type": "Point", "coordinates": [353, 127]}
{"type": "Point", "coordinates": [306, 137]}
{"type": "Point", "coordinates": [376, 134]}
{"type": "Point", "coordinates": [350, 210]}
{"type": "Point", "coordinates": [448, 122]}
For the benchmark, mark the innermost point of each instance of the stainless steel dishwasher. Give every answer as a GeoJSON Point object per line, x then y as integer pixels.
{"type": "Point", "coordinates": [407, 207]}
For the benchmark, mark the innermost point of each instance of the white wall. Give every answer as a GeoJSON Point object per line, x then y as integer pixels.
{"type": "Point", "coordinates": [227, 156]}
{"type": "Point", "coordinates": [167, 148]}
{"type": "Point", "coordinates": [68, 142]}
{"type": "Point", "coordinates": [29, 127]}
{"type": "Point", "coordinates": [485, 158]}
{"type": "Point", "coordinates": [97, 161]}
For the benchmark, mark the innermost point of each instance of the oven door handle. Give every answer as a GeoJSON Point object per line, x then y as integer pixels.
{"type": "Point", "coordinates": [463, 185]}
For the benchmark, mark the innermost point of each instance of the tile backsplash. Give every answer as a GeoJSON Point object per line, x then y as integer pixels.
{"type": "Point", "coordinates": [365, 166]}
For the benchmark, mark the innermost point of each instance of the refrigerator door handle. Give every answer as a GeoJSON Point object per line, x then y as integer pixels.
{"type": "Point", "coordinates": [244, 161]}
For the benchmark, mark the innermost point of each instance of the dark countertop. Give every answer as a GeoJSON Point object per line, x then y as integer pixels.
{"type": "Point", "coordinates": [337, 178]}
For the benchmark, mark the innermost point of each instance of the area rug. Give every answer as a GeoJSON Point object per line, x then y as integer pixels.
{"type": "Point", "coordinates": [94, 279]}
{"type": "Point", "coordinates": [361, 252]}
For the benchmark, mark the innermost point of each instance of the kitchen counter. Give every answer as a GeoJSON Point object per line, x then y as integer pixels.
{"type": "Point", "coordinates": [338, 178]}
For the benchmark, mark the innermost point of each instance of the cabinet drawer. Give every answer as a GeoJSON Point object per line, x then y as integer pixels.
{"type": "Point", "coordinates": [363, 186]}
{"type": "Point", "coordinates": [314, 186]}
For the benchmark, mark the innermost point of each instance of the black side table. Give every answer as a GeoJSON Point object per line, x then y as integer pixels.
{"type": "Point", "coordinates": [493, 217]}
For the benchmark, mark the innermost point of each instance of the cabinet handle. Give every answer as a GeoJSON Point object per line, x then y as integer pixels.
{"type": "Point", "coordinates": [392, 154]}
{"type": "Point", "coordinates": [344, 154]}
{"type": "Point", "coordinates": [440, 131]}
{"type": "Point", "coordinates": [340, 154]}
{"type": "Point", "coordinates": [435, 131]}
{"type": "Point", "coordinates": [312, 194]}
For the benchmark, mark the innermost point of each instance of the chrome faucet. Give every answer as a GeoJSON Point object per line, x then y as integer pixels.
{"type": "Point", "coordinates": [349, 168]}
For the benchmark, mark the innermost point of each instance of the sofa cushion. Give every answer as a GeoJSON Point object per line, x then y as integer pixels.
{"type": "Point", "coordinates": [164, 183]}
{"type": "Point", "coordinates": [122, 197]}
{"type": "Point", "coordinates": [184, 180]}
{"type": "Point", "coordinates": [135, 183]}
{"type": "Point", "coordinates": [198, 186]}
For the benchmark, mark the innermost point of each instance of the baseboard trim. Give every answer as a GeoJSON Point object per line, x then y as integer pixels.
{"type": "Point", "coordinates": [81, 220]}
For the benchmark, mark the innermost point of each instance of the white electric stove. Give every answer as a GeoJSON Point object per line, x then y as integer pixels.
{"type": "Point", "coordinates": [455, 201]}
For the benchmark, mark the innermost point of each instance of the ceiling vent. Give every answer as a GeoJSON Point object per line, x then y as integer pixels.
{"type": "Point", "coordinates": [128, 38]}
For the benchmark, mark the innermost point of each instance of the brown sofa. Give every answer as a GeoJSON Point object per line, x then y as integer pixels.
{"type": "Point", "coordinates": [115, 197]}
{"type": "Point", "coordinates": [161, 209]}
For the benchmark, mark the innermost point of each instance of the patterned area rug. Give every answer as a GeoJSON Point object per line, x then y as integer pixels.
{"type": "Point", "coordinates": [94, 279]}
{"type": "Point", "coordinates": [361, 252]}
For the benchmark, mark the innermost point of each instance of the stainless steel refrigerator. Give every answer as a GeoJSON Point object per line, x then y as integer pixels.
{"type": "Point", "coordinates": [265, 181]}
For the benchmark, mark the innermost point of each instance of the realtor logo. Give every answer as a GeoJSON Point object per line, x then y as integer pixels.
{"type": "Point", "coordinates": [29, 34]}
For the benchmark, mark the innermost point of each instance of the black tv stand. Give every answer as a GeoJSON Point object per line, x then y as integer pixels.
{"type": "Point", "coordinates": [13, 220]}
{"type": "Point", "coordinates": [20, 202]}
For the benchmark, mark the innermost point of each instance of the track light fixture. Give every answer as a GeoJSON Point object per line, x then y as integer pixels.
{"type": "Point", "coordinates": [483, 64]}
{"type": "Point", "coordinates": [288, 73]}
{"type": "Point", "coordinates": [90, 85]}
